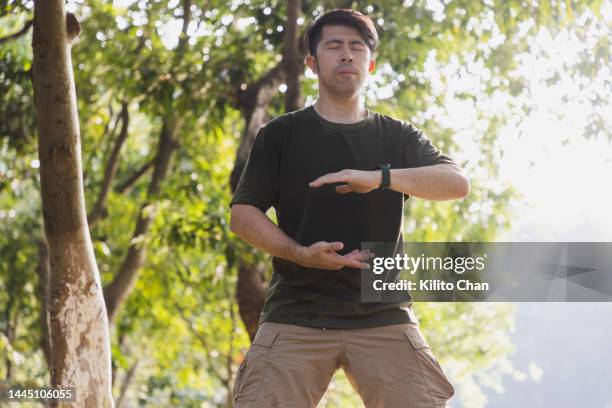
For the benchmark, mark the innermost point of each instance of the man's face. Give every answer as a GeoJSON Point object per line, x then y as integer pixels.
{"type": "Point", "coordinates": [343, 60]}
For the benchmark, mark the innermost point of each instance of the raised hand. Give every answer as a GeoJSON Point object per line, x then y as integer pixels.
{"type": "Point", "coordinates": [358, 181]}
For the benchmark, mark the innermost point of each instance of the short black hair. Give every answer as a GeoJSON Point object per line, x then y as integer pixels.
{"type": "Point", "coordinates": [346, 17]}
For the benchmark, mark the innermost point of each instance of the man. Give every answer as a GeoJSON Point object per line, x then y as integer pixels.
{"type": "Point", "coordinates": [337, 175]}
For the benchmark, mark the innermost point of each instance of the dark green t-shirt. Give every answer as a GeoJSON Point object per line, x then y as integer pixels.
{"type": "Point", "coordinates": [294, 149]}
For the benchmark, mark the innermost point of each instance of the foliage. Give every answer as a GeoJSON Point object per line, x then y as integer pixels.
{"type": "Point", "coordinates": [180, 327]}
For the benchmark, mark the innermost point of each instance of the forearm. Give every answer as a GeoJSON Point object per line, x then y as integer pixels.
{"type": "Point", "coordinates": [438, 182]}
{"type": "Point", "coordinates": [253, 226]}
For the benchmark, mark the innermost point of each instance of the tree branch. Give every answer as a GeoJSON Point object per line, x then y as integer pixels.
{"type": "Point", "coordinates": [128, 183]}
{"type": "Point", "coordinates": [129, 376]}
{"type": "Point", "coordinates": [99, 208]}
{"type": "Point", "coordinates": [123, 282]}
{"type": "Point", "coordinates": [105, 135]}
{"type": "Point", "coordinates": [18, 34]}
{"type": "Point", "coordinates": [189, 323]}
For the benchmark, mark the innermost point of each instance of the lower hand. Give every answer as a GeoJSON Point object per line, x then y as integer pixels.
{"type": "Point", "coordinates": [323, 255]}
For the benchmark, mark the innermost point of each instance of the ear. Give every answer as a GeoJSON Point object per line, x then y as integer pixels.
{"type": "Point", "coordinates": [312, 63]}
{"type": "Point", "coordinates": [372, 66]}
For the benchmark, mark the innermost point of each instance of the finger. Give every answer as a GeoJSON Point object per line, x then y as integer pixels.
{"type": "Point", "coordinates": [342, 261]}
{"type": "Point", "coordinates": [332, 260]}
{"type": "Point", "coordinates": [328, 179]}
{"type": "Point", "coordinates": [353, 254]}
{"type": "Point", "coordinates": [345, 188]}
{"type": "Point", "coordinates": [357, 265]}
{"type": "Point", "coordinates": [334, 246]}
{"type": "Point", "coordinates": [357, 257]}
{"type": "Point", "coordinates": [349, 261]}
{"type": "Point", "coordinates": [369, 254]}
{"type": "Point", "coordinates": [318, 181]}
{"type": "Point", "coordinates": [360, 256]}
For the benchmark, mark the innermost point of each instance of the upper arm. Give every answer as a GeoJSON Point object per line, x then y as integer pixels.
{"type": "Point", "coordinates": [241, 212]}
{"type": "Point", "coordinates": [419, 151]}
{"type": "Point", "coordinates": [258, 184]}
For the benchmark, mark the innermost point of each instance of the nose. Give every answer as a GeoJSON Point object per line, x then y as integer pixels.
{"type": "Point", "coordinates": [346, 55]}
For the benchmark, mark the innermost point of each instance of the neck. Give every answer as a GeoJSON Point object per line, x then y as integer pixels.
{"type": "Point", "coordinates": [341, 110]}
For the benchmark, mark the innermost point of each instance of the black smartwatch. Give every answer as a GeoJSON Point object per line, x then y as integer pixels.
{"type": "Point", "coordinates": [386, 175]}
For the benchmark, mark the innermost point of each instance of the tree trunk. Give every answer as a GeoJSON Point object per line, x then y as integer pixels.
{"type": "Point", "coordinates": [250, 287]}
{"type": "Point", "coordinates": [42, 269]}
{"type": "Point", "coordinates": [79, 334]}
{"type": "Point", "coordinates": [250, 294]}
{"type": "Point", "coordinates": [293, 56]}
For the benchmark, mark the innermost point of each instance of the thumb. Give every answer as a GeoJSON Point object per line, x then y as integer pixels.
{"type": "Point", "coordinates": [345, 188]}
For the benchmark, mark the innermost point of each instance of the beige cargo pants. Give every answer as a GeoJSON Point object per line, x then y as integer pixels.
{"type": "Point", "coordinates": [291, 366]}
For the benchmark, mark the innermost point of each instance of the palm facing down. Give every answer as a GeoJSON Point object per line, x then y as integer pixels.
{"type": "Point", "coordinates": [358, 181]}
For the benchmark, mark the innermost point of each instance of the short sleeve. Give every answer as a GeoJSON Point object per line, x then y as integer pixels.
{"type": "Point", "coordinates": [258, 184]}
{"type": "Point", "coordinates": [419, 151]}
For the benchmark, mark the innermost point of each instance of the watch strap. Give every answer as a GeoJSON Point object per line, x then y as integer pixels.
{"type": "Point", "coordinates": [386, 175]}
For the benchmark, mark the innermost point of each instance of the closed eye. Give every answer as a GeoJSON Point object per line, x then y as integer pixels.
{"type": "Point", "coordinates": [352, 48]}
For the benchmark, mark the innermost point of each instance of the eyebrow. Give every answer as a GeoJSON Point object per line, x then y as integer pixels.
{"type": "Point", "coordinates": [337, 41]}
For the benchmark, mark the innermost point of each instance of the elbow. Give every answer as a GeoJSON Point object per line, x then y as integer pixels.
{"type": "Point", "coordinates": [234, 220]}
{"type": "Point", "coordinates": [241, 216]}
{"type": "Point", "coordinates": [463, 186]}
{"type": "Point", "coordinates": [458, 183]}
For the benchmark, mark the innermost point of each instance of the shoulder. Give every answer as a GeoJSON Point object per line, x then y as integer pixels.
{"type": "Point", "coordinates": [281, 122]}
{"type": "Point", "coordinates": [280, 126]}
{"type": "Point", "coordinates": [272, 131]}
{"type": "Point", "coordinates": [400, 127]}
{"type": "Point", "coordinates": [285, 118]}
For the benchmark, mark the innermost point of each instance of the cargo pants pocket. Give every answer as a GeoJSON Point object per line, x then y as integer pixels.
{"type": "Point", "coordinates": [252, 370]}
{"type": "Point", "coordinates": [438, 384]}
